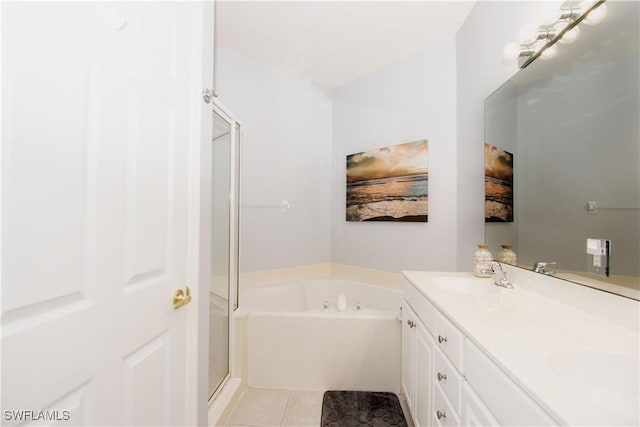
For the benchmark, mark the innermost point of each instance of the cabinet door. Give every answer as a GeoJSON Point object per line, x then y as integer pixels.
{"type": "Point", "coordinates": [408, 359]}
{"type": "Point", "coordinates": [424, 351]}
{"type": "Point", "coordinates": [474, 411]}
{"type": "Point", "coordinates": [507, 401]}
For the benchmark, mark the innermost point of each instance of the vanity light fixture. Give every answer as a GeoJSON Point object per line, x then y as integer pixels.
{"type": "Point", "coordinates": [556, 25]}
{"type": "Point", "coordinates": [571, 35]}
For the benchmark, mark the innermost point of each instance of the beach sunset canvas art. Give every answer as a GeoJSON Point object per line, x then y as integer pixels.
{"type": "Point", "coordinates": [389, 184]}
{"type": "Point", "coordinates": [498, 184]}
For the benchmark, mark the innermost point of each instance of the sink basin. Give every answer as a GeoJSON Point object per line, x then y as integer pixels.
{"type": "Point", "coordinates": [464, 285]}
{"type": "Point", "coordinates": [607, 372]}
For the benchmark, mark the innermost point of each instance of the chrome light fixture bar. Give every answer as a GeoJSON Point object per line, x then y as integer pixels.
{"type": "Point", "coordinates": [561, 25]}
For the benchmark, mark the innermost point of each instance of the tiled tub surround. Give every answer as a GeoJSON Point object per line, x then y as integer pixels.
{"type": "Point", "coordinates": [570, 350]}
{"type": "Point", "coordinates": [294, 343]}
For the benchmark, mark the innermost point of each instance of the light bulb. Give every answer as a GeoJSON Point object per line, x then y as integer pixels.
{"type": "Point", "coordinates": [539, 44]}
{"type": "Point", "coordinates": [549, 52]}
{"type": "Point", "coordinates": [586, 4]}
{"type": "Point", "coordinates": [511, 52]}
{"type": "Point", "coordinates": [528, 34]}
{"type": "Point", "coordinates": [560, 25]}
{"type": "Point", "coordinates": [548, 15]}
{"type": "Point", "coordinates": [571, 35]}
{"type": "Point", "coordinates": [596, 15]}
{"type": "Point", "coordinates": [570, 14]}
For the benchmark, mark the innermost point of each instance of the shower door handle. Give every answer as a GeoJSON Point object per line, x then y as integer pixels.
{"type": "Point", "coordinates": [181, 298]}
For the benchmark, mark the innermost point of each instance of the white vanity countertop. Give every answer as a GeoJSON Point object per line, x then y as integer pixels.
{"type": "Point", "coordinates": [573, 349]}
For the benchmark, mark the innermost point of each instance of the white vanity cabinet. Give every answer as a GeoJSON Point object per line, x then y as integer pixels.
{"type": "Point", "coordinates": [429, 380]}
{"type": "Point", "coordinates": [448, 381]}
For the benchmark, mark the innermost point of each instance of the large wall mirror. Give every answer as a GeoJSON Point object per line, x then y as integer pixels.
{"type": "Point", "coordinates": [572, 125]}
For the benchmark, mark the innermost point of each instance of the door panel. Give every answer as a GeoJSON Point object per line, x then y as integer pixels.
{"type": "Point", "coordinates": [49, 178]}
{"type": "Point", "coordinates": [150, 155]}
{"type": "Point", "coordinates": [145, 394]}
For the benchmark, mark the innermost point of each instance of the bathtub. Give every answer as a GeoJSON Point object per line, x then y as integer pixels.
{"type": "Point", "coordinates": [298, 338]}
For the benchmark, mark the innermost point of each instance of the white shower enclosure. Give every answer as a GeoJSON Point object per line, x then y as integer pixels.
{"type": "Point", "coordinates": [220, 237]}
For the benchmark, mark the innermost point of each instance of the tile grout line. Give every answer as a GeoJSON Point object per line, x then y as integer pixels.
{"type": "Point", "coordinates": [286, 406]}
{"type": "Point", "coordinates": [235, 407]}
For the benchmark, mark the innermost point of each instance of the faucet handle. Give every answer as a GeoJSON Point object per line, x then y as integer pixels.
{"type": "Point", "coordinates": [496, 266]}
{"type": "Point", "coordinates": [491, 270]}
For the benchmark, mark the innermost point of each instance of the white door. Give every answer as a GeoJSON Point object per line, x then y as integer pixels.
{"type": "Point", "coordinates": [100, 111]}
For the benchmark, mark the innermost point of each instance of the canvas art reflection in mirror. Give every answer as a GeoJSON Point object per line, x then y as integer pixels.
{"type": "Point", "coordinates": [498, 184]}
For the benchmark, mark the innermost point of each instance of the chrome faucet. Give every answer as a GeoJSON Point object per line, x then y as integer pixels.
{"type": "Point", "coordinates": [541, 267]}
{"type": "Point", "coordinates": [499, 275]}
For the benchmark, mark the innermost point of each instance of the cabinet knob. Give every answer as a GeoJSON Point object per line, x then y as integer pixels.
{"type": "Point", "coordinates": [441, 414]}
{"type": "Point", "coordinates": [441, 376]}
{"type": "Point", "coordinates": [442, 339]}
{"type": "Point", "coordinates": [411, 323]}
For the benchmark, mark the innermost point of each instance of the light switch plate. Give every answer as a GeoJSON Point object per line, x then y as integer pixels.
{"type": "Point", "coordinates": [598, 253]}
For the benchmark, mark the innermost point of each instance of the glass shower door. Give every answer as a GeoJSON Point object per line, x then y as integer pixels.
{"type": "Point", "coordinates": [223, 244]}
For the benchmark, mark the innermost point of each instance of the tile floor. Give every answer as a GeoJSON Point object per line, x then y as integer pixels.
{"type": "Point", "coordinates": [270, 407]}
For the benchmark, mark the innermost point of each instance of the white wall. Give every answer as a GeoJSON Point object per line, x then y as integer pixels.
{"type": "Point", "coordinates": [411, 100]}
{"type": "Point", "coordinates": [480, 70]}
{"type": "Point", "coordinates": [286, 155]}
{"type": "Point", "coordinates": [437, 94]}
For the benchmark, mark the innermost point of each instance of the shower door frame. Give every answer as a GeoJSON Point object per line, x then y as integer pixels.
{"type": "Point", "coordinates": [234, 231]}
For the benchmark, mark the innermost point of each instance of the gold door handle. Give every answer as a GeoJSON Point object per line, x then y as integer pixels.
{"type": "Point", "coordinates": [181, 298]}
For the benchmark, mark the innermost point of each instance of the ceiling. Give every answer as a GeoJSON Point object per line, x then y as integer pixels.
{"type": "Point", "coordinates": [331, 43]}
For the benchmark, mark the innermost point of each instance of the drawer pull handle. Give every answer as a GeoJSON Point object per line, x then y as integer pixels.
{"type": "Point", "coordinates": [411, 323]}
{"type": "Point", "coordinates": [442, 339]}
{"type": "Point", "coordinates": [441, 376]}
{"type": "Point", "coordinates": [441, 414]}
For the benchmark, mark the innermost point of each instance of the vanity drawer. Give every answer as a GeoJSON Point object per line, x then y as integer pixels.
{"type": "Point", "coordinates": [448, 378]}
{"type": "Point", "coordinates": [419, 303]}
{"type": "Point", "coordinates": [449, 339]}
{"type": "Point", "coordinates": [443, 413]}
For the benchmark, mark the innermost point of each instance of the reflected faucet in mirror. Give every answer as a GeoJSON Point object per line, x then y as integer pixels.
{"type": "Point", "coordinates": [541, 267]}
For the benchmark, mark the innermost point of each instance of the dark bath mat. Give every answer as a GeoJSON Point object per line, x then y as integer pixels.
{"type": "Point", "coordinates": [361, 408]}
